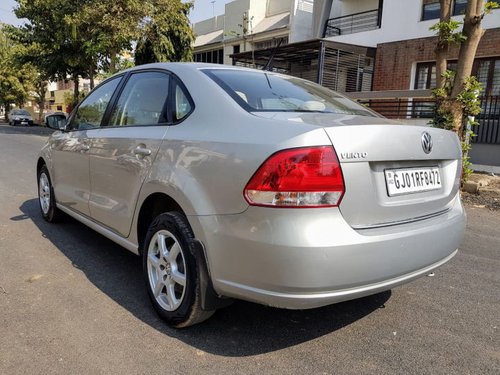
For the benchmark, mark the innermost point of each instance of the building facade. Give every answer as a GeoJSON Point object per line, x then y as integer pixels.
{"type": "Point", "coordinates": [399, 29]}
{"type": "Point", "coordinates": [60, 93]}
{"type": "Point", "coordinates": [245, 26]}
{"type": "Point", "coordinates": [284, 36]}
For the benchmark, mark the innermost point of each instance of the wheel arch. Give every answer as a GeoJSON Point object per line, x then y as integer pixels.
{"type": "Point", "coordinates": [39, 164]}
{"type": "Point", "coordinates": [158, 203]}
{"type": "Point", "coordinates": [151, 207]}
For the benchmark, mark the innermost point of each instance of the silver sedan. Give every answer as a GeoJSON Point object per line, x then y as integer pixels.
{"type": "Point", "coordinates": [238, 183]}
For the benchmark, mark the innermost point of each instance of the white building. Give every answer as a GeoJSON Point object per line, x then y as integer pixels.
{"type": "Point", "coordinates": [402, 28]}
{"type": "Point", "coordinates": [372, 22]}
{"type": "Point", "coordinates": [252, 25]}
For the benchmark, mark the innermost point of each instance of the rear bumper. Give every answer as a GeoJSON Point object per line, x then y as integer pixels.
{"type": "Point", "coordinates": [312, 300]}
{"type": "Point", "coordinates": [306, 258]}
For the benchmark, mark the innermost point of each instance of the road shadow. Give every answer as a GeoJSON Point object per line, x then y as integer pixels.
{"type": "Point", "coordinates": [32, 130]}
{"type": "Point", "coordinates": [242, 329]}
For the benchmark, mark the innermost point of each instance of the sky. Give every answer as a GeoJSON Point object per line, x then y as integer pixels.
{"type": "Point", "coordinates": [203, 9]}
{"type": "Point", "coordinates": [6, 13]}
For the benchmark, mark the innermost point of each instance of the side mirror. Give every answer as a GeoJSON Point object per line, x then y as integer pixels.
{"type": "Point", "coordinates": [56, 122]}
{"type": "Point", "coordinates": [61, 123]}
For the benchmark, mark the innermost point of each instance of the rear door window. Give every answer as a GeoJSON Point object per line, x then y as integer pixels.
{"type": "Point", "coordinates": [142, 101]}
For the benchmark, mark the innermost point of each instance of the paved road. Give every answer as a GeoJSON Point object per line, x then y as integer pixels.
{"type": "Point", "coordinates": [71, 301]}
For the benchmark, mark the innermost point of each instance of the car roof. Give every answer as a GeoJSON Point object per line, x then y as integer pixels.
{"type": "Point", "coordinates": [188, 66]}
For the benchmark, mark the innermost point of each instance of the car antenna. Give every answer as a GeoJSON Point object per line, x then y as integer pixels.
{"type": "Point", "coordinates": [269, 64]}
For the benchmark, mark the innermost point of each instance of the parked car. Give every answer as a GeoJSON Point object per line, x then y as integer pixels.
{"type": "Point", "coordinates": [239, 183]}
{"type": "Point", "coordinates": [20, 117]}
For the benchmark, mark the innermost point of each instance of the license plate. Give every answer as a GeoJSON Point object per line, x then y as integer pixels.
{"type": "Point", "coordinates": [24, 123]}
{"type": "Point", "coordinates": [412, 180]}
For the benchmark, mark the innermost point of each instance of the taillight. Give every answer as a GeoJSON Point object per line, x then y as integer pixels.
{"type": "Point", "coordinates": [300, 177]}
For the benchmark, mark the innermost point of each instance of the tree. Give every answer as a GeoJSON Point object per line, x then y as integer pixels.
{"type": "Point", "coordinates": [159, 28]}
{"type": "Point", "coordinates": [456, 92]}
{"type": "Point", "coordinates": [110, 27]}
{"type": "Point", "coordinates": [53, 44]}
{"type": "Point", "coordinates": [165, 33]}
{"type": "Point", "coordinates": [16, 79]}
{"type": "Point", "coordinates": [40, 89]}
{"type": "Point", "coordinates": [83, 38]}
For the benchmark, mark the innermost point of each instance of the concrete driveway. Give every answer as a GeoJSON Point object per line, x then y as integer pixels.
{"type": "Point", "coordinates": [72, 301]}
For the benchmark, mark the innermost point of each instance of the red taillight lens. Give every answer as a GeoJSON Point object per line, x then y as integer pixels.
{"type": "Point", "coordinates": [300, 177]}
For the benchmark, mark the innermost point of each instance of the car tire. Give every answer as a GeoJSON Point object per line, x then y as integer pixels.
{"type": "Point", "coordinates": [169, 261]}
{"type": "Point", "coordinates": [46, 197]}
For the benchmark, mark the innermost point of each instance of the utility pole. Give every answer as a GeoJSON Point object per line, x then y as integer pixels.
{"type": "Point", "coordinates": [213, 8]}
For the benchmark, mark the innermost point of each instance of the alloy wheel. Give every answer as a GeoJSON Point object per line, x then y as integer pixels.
{"type": "Point", "coordinates": [44, 193]}
{"type": "Point", "coordinates": [166, 270]}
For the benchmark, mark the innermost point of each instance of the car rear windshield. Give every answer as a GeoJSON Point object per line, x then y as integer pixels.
{"type": "Point", "coordinates": [271, 92]}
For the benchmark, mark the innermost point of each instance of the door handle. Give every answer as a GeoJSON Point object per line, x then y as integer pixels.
{"type": "Point", "coordinates": [142, 151]}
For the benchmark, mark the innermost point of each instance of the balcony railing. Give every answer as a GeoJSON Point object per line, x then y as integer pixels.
{"type": "Point", "coordinates": [353, 23]}
{"type": "Point", "coordinates": [414, 107]}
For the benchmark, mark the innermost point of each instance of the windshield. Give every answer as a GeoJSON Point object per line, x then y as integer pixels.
{"type": "Point", "coordinates": [270, 92]}
{"type": "Point", "coordinates": [20, 112]}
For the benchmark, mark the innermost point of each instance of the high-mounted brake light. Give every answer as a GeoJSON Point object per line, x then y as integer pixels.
{"type": "Point", "coordinates": [300, 177]}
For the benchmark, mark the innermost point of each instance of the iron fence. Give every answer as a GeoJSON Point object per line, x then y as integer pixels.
{"type": "Point", "coordinates": [353, 23]}
{"type": "Point", "coordinates": [488, 130]}
{"type": "Point", "coordinates": [338, 66]}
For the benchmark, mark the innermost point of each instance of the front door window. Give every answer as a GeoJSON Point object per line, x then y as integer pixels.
{"type": "Point", "coordinates": [90, 112]}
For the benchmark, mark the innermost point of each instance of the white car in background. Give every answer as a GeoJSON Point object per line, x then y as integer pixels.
{"type": "Point", "coordinates": [20, 117]}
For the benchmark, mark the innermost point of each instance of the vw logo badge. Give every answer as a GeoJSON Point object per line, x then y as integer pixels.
{"type": "Point", "coordinates": [427, 142]}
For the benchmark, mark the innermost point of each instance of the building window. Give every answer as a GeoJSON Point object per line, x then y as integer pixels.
{"type": "Point", "coordinates": [495, 82]}
{"type": "Point", "coordinates": [215, 56]}
{"type": "Point", "coordinates": [236, 49]}
{"type": "Point", "coordinates": [487, 71]}
{"type": "Point", "coordinates": [459, 7]}
{"type": "Point", "coordinates": [425, 76]}
{"type": "Point", "coordinates": [431, 9]}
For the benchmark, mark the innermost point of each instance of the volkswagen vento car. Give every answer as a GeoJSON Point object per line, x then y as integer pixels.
{"type": "Point", "coordinates": [239, 183]}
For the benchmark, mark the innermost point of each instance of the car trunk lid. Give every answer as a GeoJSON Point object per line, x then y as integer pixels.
{"type": "Point", "coordinates": [372, 150]}
{"type": "Point", "coordinates": [378, 160]}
